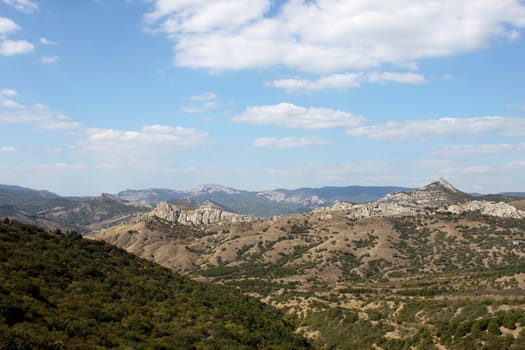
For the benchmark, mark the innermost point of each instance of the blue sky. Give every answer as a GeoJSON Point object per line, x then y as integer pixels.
{"type": "Point", "coordinates": [104, 95]}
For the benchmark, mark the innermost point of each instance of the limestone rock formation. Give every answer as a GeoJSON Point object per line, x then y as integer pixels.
{"type": "Point", "coordinates": [434, 195]}
{"type": "Point", "coordinates": [206, 214]}
{"type": "Point", "coordinates": [500, 209]}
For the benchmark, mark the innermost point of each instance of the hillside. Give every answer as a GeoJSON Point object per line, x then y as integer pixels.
{"type": "Point", "coordinates": [68, 213]}
{"type": "Point", "coordinates": [59, 291]}
{"type": "Point", "coordinates": [415, 267]}
{"type": "Point", "coordinates": [31, 201]}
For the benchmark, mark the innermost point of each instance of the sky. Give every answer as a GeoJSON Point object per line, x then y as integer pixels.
{"type": "Point", "coordinates": [107, 95]}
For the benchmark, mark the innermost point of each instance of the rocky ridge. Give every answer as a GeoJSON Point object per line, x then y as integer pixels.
{"type": "Point", "coordinates": [439, 195]}
{"type": "Point", "coordinates": [279, 197]}
{"type": "Point", "coordinates": [262, 203]}
{"type": "Point", "coordinates": [436, 196]}
{"type": "Point", "coordinates": [206, 214]}
{"type": "Point", "coordinates": [499, 209]}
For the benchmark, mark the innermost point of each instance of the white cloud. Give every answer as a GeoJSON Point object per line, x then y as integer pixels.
{"type": "Point", "coordinates": [207, 96]}
{"type": "Point", "coordinates": [8, 92]}
{"type": "Point", "coordinates": [26, 6]}
{"type": "Point", "coordinates": [202, 103]}
{"type": "Point", "coordinates": [478, 150]}
{"type": "Point", "coordinates": [396, 77]}
{"type": "Point", "coordinates": [396, 131]}
{"type": "Point", "coordinates": [49, 59]}
{"type": "Point", "coordinates": [203, 16]}
{"type": "Point", "coordinates": [45, 41]}
{"type": "Point", "coordinates": [149, 142]}
{"type": "Point", "coordinates": [6, 98]}
{"type": "Point", "coordinates": [7, 25]}
{"type": "Point", "coordinates": [7, 149]}
{"type": "Point", "coordinates": [15, 47]}
{"type": "Point", "coordinates": [290, 142]}
{"type": "Point", "coordinates": [292, 116]}
{"type": "Point", "coordinates": [329, 35]}
{"type": "Point", "coordinates": [321, 174]}
{"type": "Point", "coordinates": [347, 80]}
{"type": "Point", "coordinates": [8, 103]}
{"type": "Point", "coordinates": [39, 115]}
{"type": "Point", "coordinates": [191, 110]}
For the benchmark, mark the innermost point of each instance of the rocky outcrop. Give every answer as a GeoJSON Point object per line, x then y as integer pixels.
{"type": "Point", "coordinates": [340, 206]}
{"type": "Point", "coordinates": [279, 197]}
{"type": "Point", "coordinates": [205, 215]}
{"type": "Point", "coordinates": [500, 209]}
{"type": "Point", "coordinates": [435, 195]}
{"type": "Point", "coordinates": [440, 196]}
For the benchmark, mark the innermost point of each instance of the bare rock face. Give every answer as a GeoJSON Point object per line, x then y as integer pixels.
{"type": "Point", "coordinates": [439, 195]}
{"type": "Point", "coordinates": [205, 215]}
{"type": "Point", "coordinates": [500, 209]}
{"type": "Point", "coordinates": [434, 195]}
{"type": "Point", "coordinates": [279, 197]}
{"type": "Point", "coordinates": [166, 212]}
{"type": "Point", "coordinates": [341, 206]}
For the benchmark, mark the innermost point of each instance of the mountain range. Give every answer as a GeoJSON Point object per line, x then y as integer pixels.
{"type": "Point", "coordinates": [425, 268]}
{"type": "Point", "coordinates": [263, 203]}
{"type": "Point", "coordinates": [225, 233]}
{"type": "Point", "coordinates": [85, 214]}
{"type": "Point", "coordinates": [413, 269]}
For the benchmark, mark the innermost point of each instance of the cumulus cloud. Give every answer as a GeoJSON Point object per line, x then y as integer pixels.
{"type": "Point", "coordinates": [8, 103]}
{"type": "Point", "coordinates": [26, 6]}
{"type": "Point", "coordinates": [292, 116]}
{"type": "Point", "coordinates": [7, 25]}
{"type": "Point", "coordinates": [8, 92]}
{"type": "Point", "coordinates": [150, 141]}
{"type": "Point", "coordinates": [329, 35]}
{"type": "Point", "coordinates": [396, 131]}
{"type": "Point", "coordinates": [15, 47]}
{"type": "Point", "coordinates": [347, 80]}
{"type": "Point", "coordinates": [12, 47]}
{"type": "Point", "coordinates": [289, 142]}
{"type": "Point", "coordinates": [7, 149]}
{"type": "Point", "coordinates": [6, 100]}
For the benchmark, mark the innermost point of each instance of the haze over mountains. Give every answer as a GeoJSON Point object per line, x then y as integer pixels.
{"type": "Point", "coordinates": [85, 214]}
{"type": "Point", "coordinates": [263, 203]}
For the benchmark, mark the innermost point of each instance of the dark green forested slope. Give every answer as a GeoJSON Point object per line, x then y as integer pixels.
{"type": "Point", "coordinates": [60, 291]}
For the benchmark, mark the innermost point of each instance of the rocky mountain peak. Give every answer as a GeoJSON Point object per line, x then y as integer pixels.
{"type": "Point", "coordinates": [438, 194]}
{"type": "Point", "coordinates": [441, 184]}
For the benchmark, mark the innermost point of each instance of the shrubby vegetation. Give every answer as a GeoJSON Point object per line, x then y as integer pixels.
{"type": "Point", "coordinates": [59, 291]}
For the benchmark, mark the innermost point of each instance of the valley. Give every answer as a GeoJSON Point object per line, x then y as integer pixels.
{"type": "Point", "coordinates": [427, 268]}
{"type": "Point", "coordinates": [418, 269]}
